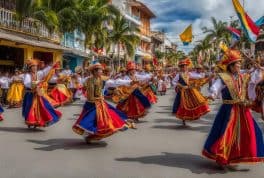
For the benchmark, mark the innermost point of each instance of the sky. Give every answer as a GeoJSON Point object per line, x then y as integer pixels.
{"type": "Point", "coordinates": [173, 16]}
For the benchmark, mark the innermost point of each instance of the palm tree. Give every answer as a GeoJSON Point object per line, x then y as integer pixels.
{"type": "Point", "coordinates": [93, 16]}
{"type": "Point", "coordinates": [123, 35]}
{"type": "Point", "coordinates": [218, 32]}
{"type": "Point", "coordinates": [23, 10]}
{"type": "Point", "coordinates": [174, 57]}
{"type": "Point", "coordinates": [59, 16]}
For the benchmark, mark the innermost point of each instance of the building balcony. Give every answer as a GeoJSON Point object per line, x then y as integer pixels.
{"type": "Point", "coordinates": [143, 37]}
{"type": "Point", "coordinates": [130, 17]}
{"type": "Point", "coordinates": [144, 53]}
{"type": "Point", "coordinates": [29, 26]}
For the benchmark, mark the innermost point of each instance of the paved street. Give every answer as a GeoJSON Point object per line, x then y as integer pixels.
{"type": "Point", "coordinates": [159, 148]}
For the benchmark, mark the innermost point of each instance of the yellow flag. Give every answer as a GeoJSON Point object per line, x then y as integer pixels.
{"type": "Point", "coordinates": [186, 36]}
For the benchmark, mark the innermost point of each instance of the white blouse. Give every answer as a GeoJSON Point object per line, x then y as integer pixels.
{"type": "Point", "coordinates": [256, 77]}
{"type": "Point", "coordinates": [27, 80]}
{"type": "Point", "coordinates": [192, 75]}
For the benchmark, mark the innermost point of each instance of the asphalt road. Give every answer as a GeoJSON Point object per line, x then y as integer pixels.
{"type": "Point", "coordinates": [159, 148]}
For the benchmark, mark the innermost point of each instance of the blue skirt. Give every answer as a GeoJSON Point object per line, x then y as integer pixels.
{"type": "Point", "coordinates": [37, 111]}
{"type": "Point", "coordinates": [87, 124]}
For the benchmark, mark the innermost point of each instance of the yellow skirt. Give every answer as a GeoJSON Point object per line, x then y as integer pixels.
{"type": "Point", "coordinates": [15, 93]}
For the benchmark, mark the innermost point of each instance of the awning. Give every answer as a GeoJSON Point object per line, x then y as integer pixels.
{"type": "Point", "coordinates": [32, 42]}
{"type": "Point", "coordinates": [77, 53]}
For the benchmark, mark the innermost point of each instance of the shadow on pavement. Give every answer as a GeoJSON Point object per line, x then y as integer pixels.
{"type": "Point", "coordinates": [174, 120]}
{"type": "Point", "coordinates": [195, 163]}
{"type": "Point", "coordinates": [19, 130]}
{"type": "Point", "coordinates": [67, 144]}
{"type": "Point", "coordinates": [203, 129]}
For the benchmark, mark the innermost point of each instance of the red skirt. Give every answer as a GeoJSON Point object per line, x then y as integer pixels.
{"type": "Point", "coordinates": [150, 95]}
{"type": "Point", "coordinates": [192, 105]}
{"type": "Point", "coordinates": [61, 94]}
{"type": "Point", "coordinates": [135, 106]}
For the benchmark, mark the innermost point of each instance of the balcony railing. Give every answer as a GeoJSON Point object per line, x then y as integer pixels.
{"type": "Point", "coordinates": [29, 26]}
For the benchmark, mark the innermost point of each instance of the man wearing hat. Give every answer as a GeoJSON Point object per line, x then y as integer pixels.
{"type": "Point", "coordinates": [98, 119]}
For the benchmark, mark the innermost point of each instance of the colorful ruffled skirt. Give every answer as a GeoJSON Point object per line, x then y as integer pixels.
{"type": "Point", "coordinates": [235, 137]}
{"type": "Point", "coordinates": [38, 112]}
{"type": "Point", "coordinates": [61, 94]}
{"type": "Point", "coordinates": [44, 93]}
{"type": "Point", "coordinates": [99, 120]}
{"type": "Point", "coordinates": [135, 106]}
{"type": "Point", "coordinates": [15, 94]}
{"type": "Point", "coordinates": [190, 104]}
{"type": "Point", "coordinates": [148, 92]}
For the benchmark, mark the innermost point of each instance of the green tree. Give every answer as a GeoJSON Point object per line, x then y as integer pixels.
{"type": "Point", "coordinates": [218, 32]}
{"type": "Point", "coordinates": [93, 17]}
{"type": "Point", "coordinates": [123, 35]}
{"type": "Point", "coordinates": [23, 10]}
{"type": "Point", "coordinates": [174, 57]}
{"type": "Point", "coordinates": [57, 16]}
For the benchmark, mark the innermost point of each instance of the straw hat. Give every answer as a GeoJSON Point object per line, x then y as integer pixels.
{"type": "Point", "coordinates": [95, 65]}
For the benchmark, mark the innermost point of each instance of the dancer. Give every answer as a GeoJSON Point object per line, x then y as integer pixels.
{"type": "Point", "coordinates": [61, 94]}
{"type": "Point", "coordinates": [37, 111]}
{"type": "Point", "coordinates": [134, 103]}
{"type": "Point", "coordinates": [98, 119]}
{"type": "Point", "coordinates": [256, 88]}
{"type": "Point", "coordinates": [235, 136]}
{"type": "Point", "coordinates": [189, 103]}
{"type": "Point", "coordinates": [16, 91]}
{"type": "Point", "coordinates": [5, 84]}
{"type": "Point", "coordinates": [148, 89]}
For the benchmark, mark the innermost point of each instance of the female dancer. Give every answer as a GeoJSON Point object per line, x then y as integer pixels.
{"type": "Point", "coordinates": [189, 103]}
{"type": "Point", "coordinates": [148, 89]}
{"type": "Point", "coordinates": [60, 93]}
{"type": "Point", "coordinates": [16, 91]}
{"type": "Point", "coordinates": [135, 105]}
{"type": "Point", "coordinates": [37, 111]}
{"type": "Point", "coordinates": [235, 136]}
{"type": "Point", "coordinates": [98, 119]}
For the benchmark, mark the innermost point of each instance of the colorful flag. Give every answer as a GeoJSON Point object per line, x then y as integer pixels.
{"type": "Point", "coordinates": [250, 28]}
{"type": "Point", "coordinates": [260, 21]}
{"type": "Point", "coordinates": [235, 32]}
{"type": "Point", "coordinates": [186, 36]}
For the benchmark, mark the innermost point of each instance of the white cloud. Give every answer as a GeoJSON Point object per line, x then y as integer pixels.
{"type": "Point", "coordinates": [221, 9]}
